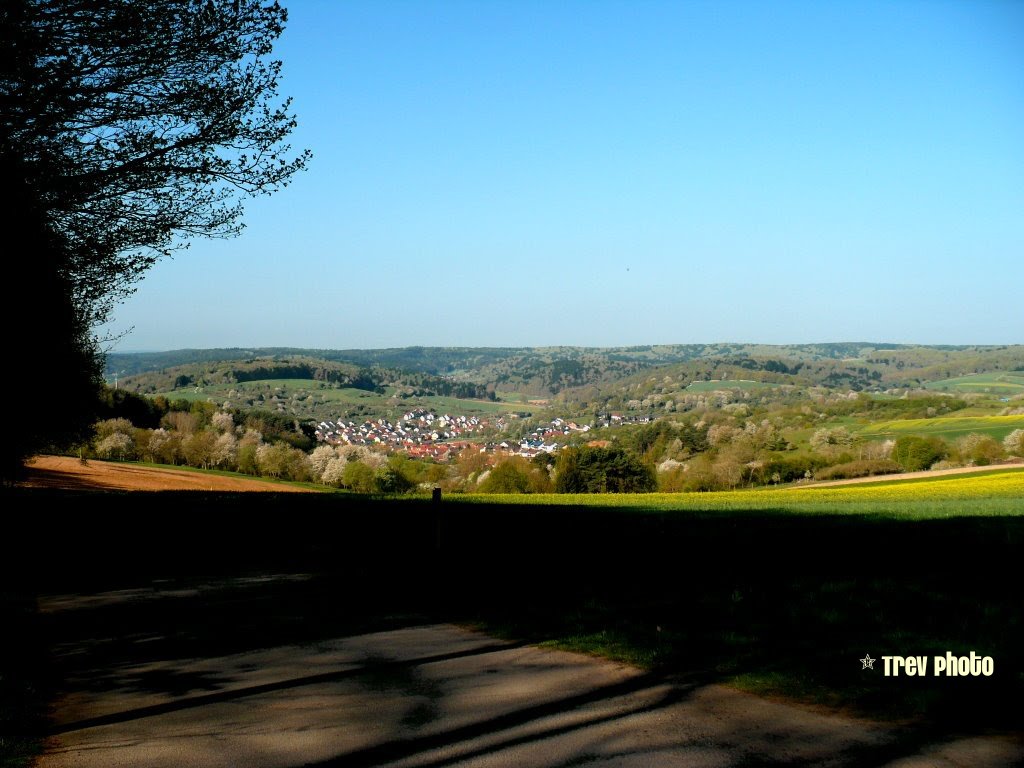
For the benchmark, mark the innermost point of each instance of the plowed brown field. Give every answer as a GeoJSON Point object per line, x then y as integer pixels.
{"type": "Point", "coordinates": [70, 473]}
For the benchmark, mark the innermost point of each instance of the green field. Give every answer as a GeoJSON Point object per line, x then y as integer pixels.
{"type": "Point", "coordinates": [996, 492]}
{"type": "Point", "coordinates": [715, 385]}
{"type": "Point", "coordinates": [989, 383]}
{"type": "Point", "coordinates": [948, 427]}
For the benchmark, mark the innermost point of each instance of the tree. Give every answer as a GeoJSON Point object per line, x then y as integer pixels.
{"type": "Point", "coordinates": [113, 426]}
{"type": "Point", "coordinates": [320, 458]}
{"type": "Point", "coordinates": [225, 451]}
{"type": "Point", "coordinates": [602, 470]}
{"type": "Point", "coordinates": [126, 128]}
{"type": "Point", "coordinates": [198, 448]}
{"type": "Point", "coordinates": [979, 450]}
{"type": "Point", "coordinates": [223, 422]}
{"type": "Point", "coordinates": [1014, 442]}
{"type": "Point", "coordinates": [510, 476]}
{"type": "Point", "coordinates": [164, 446]}
{"type": "Point", "coordinates": [390, 479]}
{"type": "Point", "coordinates": [50, 338]}
{"type": "Point", "coordinates": [359, 477]}
{"type": "Point", "coordinates": [140, 411]}
{"type": "Point", "coordinates": [115, 445]}
{"type": "Point", "coordinates": [246, 459]}
{"type": "Point", "coordinates": [143, 123]}
{"type": "Point", "coordinates": [914, 453]}
{"type": "Point", "coordinates": [272, 459]}
{"type": "Point", "coordinates": [115, 439]}
{"type": "Point", "coordinates": [830, 441]}
{"type": "Point", "coordinates": [333, 473]}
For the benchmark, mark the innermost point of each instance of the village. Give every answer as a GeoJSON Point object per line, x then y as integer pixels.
{"type": "Point", "coordinates": [426, 434]}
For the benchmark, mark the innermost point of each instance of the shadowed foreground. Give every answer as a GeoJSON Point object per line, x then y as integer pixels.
{"type": "Point", "coordinates": [419, 695]}
{"type": "Point", "coordinates": [263, 629]}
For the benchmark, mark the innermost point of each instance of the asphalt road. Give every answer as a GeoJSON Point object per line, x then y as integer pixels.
{"type": "Point", "coordinates": [431, 695]}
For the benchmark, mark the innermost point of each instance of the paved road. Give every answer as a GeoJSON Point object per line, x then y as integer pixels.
{"type": "Point", "coordinates": [436, 695]}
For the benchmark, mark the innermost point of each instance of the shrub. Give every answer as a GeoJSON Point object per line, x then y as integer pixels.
{"type": "Point", "coordinates": [979, 450]}
{"type": "Point", "coordinates": [389, 479]}
{"type": "Point", "coordinates": [862, 468]}
{"type": "Point", "coordinates": [791, 468]}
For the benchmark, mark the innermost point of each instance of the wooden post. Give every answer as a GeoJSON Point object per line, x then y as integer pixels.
{"type": "Point", "coordinates": [435, 502]}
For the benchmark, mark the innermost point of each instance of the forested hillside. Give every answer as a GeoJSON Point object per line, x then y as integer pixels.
{"type": "Point", "coordinates": [547, 371]}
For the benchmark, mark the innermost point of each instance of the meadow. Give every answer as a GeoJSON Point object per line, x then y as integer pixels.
{"type": "Point", "coordinates": [947, 427]}
{"type": "Point", "coordinates": [990, 383]}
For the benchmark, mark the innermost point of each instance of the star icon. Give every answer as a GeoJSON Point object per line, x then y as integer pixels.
{"type": "Point", "coordinates": [867, 662]}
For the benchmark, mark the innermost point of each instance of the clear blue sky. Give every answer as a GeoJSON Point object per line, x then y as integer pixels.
{"type": "Point", "coordinates": [599, 173]}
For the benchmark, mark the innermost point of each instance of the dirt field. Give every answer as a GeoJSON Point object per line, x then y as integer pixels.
{"type": "Point", "coordinates": [71, 474]}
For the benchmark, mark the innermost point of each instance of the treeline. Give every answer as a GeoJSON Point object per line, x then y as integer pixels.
{"type": "Point", "coordinates": [360, 379]}
{"type": "Point", "coordinates": [876, 409]}
{"type": "Point", "coordinates": [423, 385]}
{"type": "Point", "coordinates": [718, 448]}
{"type": "Point", "coordinates": [368, 379]}
{"type": "Point", "coordinates": [589, 377]}
{"type": "Point", "coordinates": [728, 448]}
{"type": "Point", "coordinates": [376, 380]}
{"type": "Point", "coordinates": [153, 412]}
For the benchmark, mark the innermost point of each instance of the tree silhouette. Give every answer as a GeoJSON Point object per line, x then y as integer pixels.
{"type": "Point", "coordinates": [126, 128]}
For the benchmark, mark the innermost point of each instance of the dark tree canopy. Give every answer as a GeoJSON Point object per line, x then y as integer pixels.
{"type": "Point", "coordinates": [602, 470]}
{"type": "Point", "coordinates": [141, 123]}
{"type": "Point", "coordinates": [126, 128]}
{"type": "Point", "coordinates": [50, 344]}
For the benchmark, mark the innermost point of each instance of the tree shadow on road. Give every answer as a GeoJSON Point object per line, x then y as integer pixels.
{"type": "Point", "coordinates": [735, 597]}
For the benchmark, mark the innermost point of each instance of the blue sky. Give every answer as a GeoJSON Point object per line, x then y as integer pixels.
{"type": "Point", "coordinates": [599, 173]}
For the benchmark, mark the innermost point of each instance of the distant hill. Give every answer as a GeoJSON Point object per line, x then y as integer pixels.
{"type": "Point", "coordinates": [555, 363]}
{"type": "Point", "coordinates": [451, 360]}
{"type": "Point", "coordinates": [586, 377]}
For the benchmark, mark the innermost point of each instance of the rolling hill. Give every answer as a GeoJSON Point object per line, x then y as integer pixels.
{"type": "Point", "coordinates": [312, 383]}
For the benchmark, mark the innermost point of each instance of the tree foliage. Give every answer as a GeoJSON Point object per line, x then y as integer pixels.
{"type": "Point", "coordinates": [141, 123]}
{"type": "Point", "coordinates": [602, 470]}
{"type": "Point", "coordinates": [49, 337]}
{"type": "Point", "coordinates": [914, 453]}
{"type": "Point", "coordinates": [126, 127]}
{"type": "Point", "coordinates": [517, 475]}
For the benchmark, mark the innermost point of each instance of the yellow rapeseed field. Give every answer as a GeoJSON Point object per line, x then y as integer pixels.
{"type": "Point", "coordinates": [1005, 484]}
{"type": "Point", "coordinates": [990, 493]}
